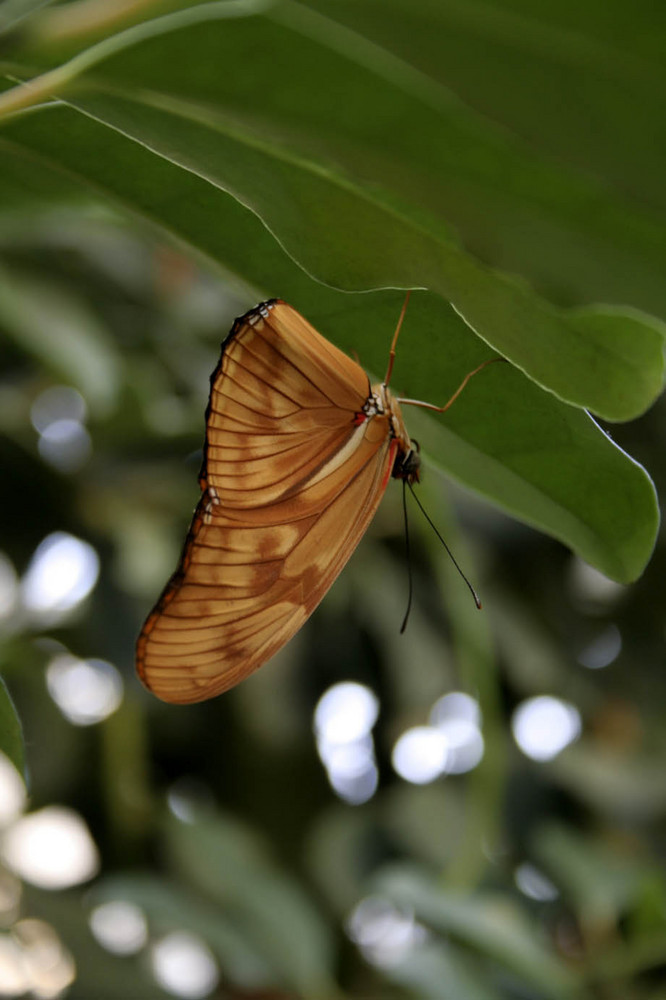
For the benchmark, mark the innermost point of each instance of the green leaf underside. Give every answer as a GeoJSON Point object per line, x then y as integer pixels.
{"type": "Point", "coordinates": [234, 128]}
{"type": "Point", "coordinates": [378, 101]}
{"type": "Point", "coordinates": [369, 244]}
{"type": "Point", "coordinates": [536, 457]}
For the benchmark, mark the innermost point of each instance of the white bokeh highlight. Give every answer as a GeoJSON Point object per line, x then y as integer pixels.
{"type": "Point", "coordinates": [352, 770]}
{"type": "Point", "coordinates": [343, 721]}
{"type": "Point", "coordinates": [458, 717]}
{"type": "Point", "coordinates": [58, 415]}
{"type": "Point", "coordinates": [66, 445]}
{"type": "Point", "coordinates": [384, 935]}
{"type": "Point", "coordinates": [534, 884]}
{"type": "Point", "coordinates": [119, 926]}
{"type": "Point", "coordinates": [51, 848]}
{"type": "Point", "coordinates": [59, 402]}
{"type": "Point", "coordinates": [543, 726]}
{"type": "Point", "coordinates": [184, 965]}
{"type": "Point", "coordinates": [603, 650]}
{"type": "Point", "coordinates": [346, 712]}
{"type": "Point", "coordinates": [47, 963]}
{"type": "Point", "coordinates": [420, 755]}
{"type": "Point", "coordinates": [85, 691]}
{"type": "Point", "coordinates": [61, 574]}
{"type": "Point", "coordinates": [14, 979]}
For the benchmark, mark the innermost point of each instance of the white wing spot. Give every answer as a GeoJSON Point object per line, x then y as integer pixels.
{"type": "Point", "coordinates": [212, 501]}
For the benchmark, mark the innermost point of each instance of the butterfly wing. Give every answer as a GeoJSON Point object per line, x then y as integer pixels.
{"type": "Point", "coordinates": [290, 481]}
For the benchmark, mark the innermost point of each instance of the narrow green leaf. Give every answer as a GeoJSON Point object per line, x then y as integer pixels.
{"type": "Point", "coordinates": [62, 333]}
{"type": "Point", "coordinates": [14, 11]}
{"type": "Point", "coordinates": [224, 860]}
{"type": "Point", "coordinates": [601, 884]}
{"type": "Point", "coordinates": [491, 925]}
{"type": "Point", "coordinates": [433, 971]}
{"type": "Point", "coordinates": [11, 732]}
{"type": "Point", "coordinates": [170, 907]}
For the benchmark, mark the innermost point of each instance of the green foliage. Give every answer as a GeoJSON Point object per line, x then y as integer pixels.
{"type": "Point", "coordinates": [163, 166]}
{"type": "Point", "coordinates": [300, 165]}
{"type": "Point", "coordinates": [11, 734]}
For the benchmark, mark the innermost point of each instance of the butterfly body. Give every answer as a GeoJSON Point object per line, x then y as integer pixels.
{"type": "Point", "coordinates": [298, 453]}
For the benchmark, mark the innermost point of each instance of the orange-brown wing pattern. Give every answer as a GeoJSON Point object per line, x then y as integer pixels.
{"type": "Point", "coordinates": [290, 480]}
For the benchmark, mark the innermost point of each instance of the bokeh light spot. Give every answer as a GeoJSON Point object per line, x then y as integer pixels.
{"type": "Point", "coordinates": [59, 402]}
{"type": "Point", "coordinates": [455, 705]}
{"type": "Point", "coordinates": [352, 770]}
{"type": "Point", "coordinates": [346, 712]}
{"type": "Point", "coordinates": [51, 848]}
{"type": "Point", "coordinates": [85, 691]}
{"type": "Point", "coordinates": [343, 721]}
{"type": "Point", "coordinates": [14, 981]}
{"type": "Point", "coordinates": [184, 965]}
{"type": "Point", "coordinates": [62, 572]}
{"type": "Point", "coordinates": [420, 754]}
{"type": "Point", "coordinates": [457, 715]}
{"type": "Point", "coordinates": [119, 926]}
{"type": "Point", "coordinates": [384, 934]}
{"type": "Point", "coordinates": [544, 726]}
{"type": "Point", "coordinates": [49, 967]}
{"type": "Point", "coordinates": [65, 444]}
{"type": "Point", "coordinates": [603, 650]}
{"type": "Point", "coordinates": [533, 883]}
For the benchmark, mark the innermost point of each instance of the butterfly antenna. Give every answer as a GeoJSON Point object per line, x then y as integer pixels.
{"type": "Point", "coordinates": [401, 317]}
{"type": "Point", "coordinates": [451, 555]}
{"type": "Point", "coordinates": [410, 575]}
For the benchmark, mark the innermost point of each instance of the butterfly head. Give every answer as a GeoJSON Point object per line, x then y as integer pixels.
{"type": "Point", "coordinates": [407, 464]}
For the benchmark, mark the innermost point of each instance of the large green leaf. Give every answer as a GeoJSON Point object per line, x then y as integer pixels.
{"type": "Point", "coordinates": [486, 50]}
{"type": "Point", "coordinates": [267, 138]}
{"type": "Point", "coordinates": [609, 362]}
{"type": "Point", "coordinates": [542, 460]}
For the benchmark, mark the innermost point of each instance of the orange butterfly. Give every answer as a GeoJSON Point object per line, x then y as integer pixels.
{"type": "Point", "coordinates": [299, 450]}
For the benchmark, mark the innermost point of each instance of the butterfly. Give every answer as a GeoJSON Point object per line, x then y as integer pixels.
{"type": "Point", "coordinates": [299, 450]}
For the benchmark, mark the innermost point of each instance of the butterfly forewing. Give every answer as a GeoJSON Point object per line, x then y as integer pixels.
{"type": "Point", "coordinates": [291, 478]}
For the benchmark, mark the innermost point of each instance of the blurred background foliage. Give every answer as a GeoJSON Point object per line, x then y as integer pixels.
{"type": "Point", "coordinates": [474, 810]}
